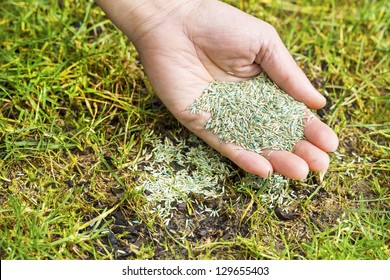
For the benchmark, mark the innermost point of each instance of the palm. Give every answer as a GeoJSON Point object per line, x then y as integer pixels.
{"type": "Point", "coordinates": [182, 59]}
{"type": "Point", "coordinates": [188, 61]}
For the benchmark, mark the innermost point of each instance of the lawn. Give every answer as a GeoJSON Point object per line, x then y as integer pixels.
{"type": "Point", "coordinates": [84, 140]}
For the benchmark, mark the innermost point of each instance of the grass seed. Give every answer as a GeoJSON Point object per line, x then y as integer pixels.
{"type": "Point", "coordinates": [254, 114]}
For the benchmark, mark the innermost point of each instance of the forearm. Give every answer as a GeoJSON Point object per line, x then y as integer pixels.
{"type": "Point", "coordinates": [135, 18]}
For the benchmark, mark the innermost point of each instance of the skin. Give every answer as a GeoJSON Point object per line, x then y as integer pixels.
{"type": "Point", "coordinates": [185, 45]}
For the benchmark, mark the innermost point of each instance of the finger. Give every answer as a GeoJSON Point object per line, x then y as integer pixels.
{"type": "Point", "coordinates": [233, 70]}
{"type": "Point", "coordinates": [279, 65]}
{"type": "Point", "coordinates": [249, 161]}
{"type": "Point", "coordinates": [321, 135]}
{"type": "Point", "coordinates": [316, 158]}
{"type": "Point", "coordinates": [245, 71]}
{"type": "Point", "coordinates": [287, 164]}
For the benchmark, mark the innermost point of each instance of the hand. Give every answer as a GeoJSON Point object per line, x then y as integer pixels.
{"type": "Point", "coordinates": [184, 47]}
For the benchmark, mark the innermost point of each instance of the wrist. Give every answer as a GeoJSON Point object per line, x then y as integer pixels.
{"type": "Point", "coordinates": [136, 18]}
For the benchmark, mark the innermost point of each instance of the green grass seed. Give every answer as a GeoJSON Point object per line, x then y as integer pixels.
{"type": "Point", "coordinates": [255, 114]}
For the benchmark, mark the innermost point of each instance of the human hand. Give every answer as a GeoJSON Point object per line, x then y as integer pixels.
{"type": "Point", "coordinates": [185, 45]}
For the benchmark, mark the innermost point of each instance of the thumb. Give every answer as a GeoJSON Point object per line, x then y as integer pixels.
{"type": "Point", "coordinates": [274, 58]}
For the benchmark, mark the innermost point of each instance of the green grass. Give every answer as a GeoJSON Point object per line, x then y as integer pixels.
{"type": "Point", "coordinates": [77, 112]}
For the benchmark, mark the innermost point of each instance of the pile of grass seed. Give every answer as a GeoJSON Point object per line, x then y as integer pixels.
{"type": "Point", "coordinates": [254, 114]}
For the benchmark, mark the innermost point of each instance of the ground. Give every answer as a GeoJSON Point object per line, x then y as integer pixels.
{"type": "Point", "coordinates": [77, 114]}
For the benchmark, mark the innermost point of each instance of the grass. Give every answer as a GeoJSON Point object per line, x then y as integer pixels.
{"type": "Point", "coordinates": [77, 114]}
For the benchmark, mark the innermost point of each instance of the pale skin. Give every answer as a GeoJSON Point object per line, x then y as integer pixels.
{"type": "Point", "coordinates": [184, 45]}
